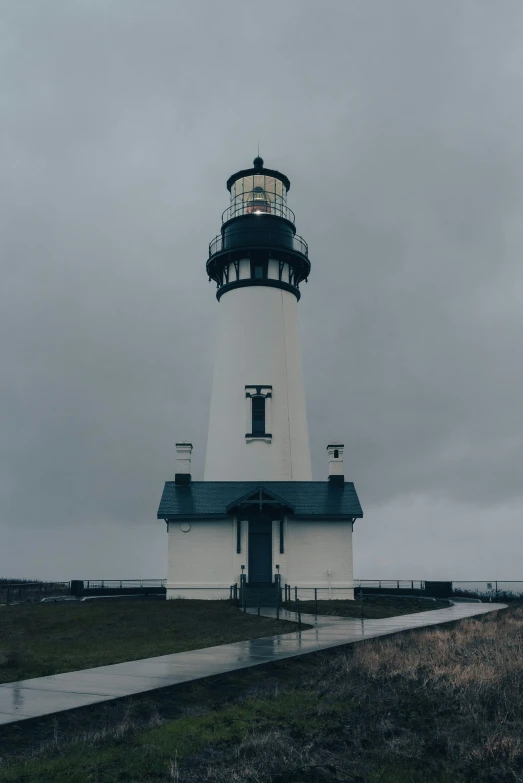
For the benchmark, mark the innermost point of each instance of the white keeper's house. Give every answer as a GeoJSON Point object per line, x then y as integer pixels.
{"type": "Point", "coordinates": [258, 518]}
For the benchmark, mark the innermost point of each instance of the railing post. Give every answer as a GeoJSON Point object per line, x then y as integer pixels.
{"type": "Point", "coordinates": [299, 614]}
{"type": "Point", "coordinates": [316, 600]}
{"type": "Point", "coordinates": [242, 589]}
{"type": "Point", "coordinates": [277, 581]}
{"type": "Point", "coordinates": [278, 598]}
{"type": "Point", "coordinates": [295, 593]}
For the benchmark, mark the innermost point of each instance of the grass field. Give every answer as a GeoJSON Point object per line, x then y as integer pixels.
{"type": "Point", "coordinates": [42, 639]}
{"type": "Point", "coordinates": [441, 705]}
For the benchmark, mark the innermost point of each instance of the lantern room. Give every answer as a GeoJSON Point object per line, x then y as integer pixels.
{"type": "Point", "coordinates": [258, 244]}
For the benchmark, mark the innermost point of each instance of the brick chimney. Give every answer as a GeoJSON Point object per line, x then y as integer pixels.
{"type": "Point", "coordinates": [335, 451]}
{"type": "Point", "coordinates": [183, 462]}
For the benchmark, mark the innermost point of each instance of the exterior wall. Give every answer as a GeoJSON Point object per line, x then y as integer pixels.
{"type": "Point", "coordinates": [204, 557]}
{"type": "Point", "coordinates": [312, 549]}
{"type": "Point", "coordinates": [258, 342]}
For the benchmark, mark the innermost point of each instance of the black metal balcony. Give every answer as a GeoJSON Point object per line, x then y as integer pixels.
{"type": "Point", "coordinates": [239, 237]}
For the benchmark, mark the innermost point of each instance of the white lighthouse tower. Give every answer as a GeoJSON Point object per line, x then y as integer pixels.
{"type": "Point", "coordinates": [257, 521]}
{"type": "Point", "coordinates": [258, 421]}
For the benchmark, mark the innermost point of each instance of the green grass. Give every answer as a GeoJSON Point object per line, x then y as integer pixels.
{"type": "Point", "coordinates": [151, 753]}
{"type": "Point", "coordinates": [43, 639]}
{"type": "Point", "coordinates": [372, 607]}
{"type": "Point", "coordinates": [256, 728]}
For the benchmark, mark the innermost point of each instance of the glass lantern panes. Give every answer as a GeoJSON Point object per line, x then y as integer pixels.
{"type": "Point", "coordinates": [258, 194]}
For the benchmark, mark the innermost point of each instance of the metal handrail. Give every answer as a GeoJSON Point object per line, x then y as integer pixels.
{"type": "Point", "coordinates": [505, 589]}
{"type": "Point", "coordinates": [98, 584]}
{"type": "Point", "coordinates": [299, 245]}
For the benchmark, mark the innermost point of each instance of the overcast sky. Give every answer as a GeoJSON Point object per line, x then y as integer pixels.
{"type": "Point", "coordinates": [400, 126]}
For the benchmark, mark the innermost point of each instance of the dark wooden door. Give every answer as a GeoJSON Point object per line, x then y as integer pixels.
{"type": "Point", "coordinates": [260, 550]}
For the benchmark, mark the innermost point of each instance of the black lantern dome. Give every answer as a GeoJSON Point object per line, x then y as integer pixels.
{"type": "Point", "coordinates": [258, 244]}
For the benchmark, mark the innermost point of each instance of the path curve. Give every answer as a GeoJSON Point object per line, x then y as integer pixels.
{"type": "Point", "coordinates": [42, 696]}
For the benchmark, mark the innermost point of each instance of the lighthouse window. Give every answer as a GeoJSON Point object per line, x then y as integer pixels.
{"type": "Point", "coordinates": [258, 271]}
{"type": "Point", "coordinates": [258, 415]}
{"type": "Point", "coordinates": [258, 412]}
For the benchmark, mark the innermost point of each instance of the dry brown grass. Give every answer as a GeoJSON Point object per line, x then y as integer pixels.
{"type": "Point", "coordinates": [443, 704]}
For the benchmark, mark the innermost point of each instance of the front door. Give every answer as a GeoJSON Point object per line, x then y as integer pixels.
{"type": "Point", "coordinates": [260, 549]}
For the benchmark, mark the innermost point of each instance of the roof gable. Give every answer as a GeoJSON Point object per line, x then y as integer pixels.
{"type": "Point", "coordinates": [260, 497]}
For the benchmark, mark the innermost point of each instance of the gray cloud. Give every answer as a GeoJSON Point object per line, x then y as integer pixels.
{"type": "Point", "coordinates": [399, 125]}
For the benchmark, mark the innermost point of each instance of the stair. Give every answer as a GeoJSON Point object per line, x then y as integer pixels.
{"type": "Point", "coordinates": [268, 595]}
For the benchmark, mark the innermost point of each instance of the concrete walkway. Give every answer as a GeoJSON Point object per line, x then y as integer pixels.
{"type": "Point", "coordinates": [47, 695]}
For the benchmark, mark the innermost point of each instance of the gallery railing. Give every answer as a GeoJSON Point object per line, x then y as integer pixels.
{"type": "Point", "coordinates": [267, 239]}
{"type": "Point", "coordinates": [252, 204]}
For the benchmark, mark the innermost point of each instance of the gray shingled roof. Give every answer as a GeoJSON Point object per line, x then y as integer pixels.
{"type": "Point", "coordinates": [313, 499]}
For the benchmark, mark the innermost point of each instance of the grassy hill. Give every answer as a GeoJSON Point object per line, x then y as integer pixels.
{"type": "Point", "coordinates": [441, 705]}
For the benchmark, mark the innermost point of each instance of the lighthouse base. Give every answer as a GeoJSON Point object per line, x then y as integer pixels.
{"type": "Point", "coordinates": [222, 534]}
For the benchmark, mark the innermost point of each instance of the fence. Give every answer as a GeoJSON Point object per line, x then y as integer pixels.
{"type": "Point", "coordinates": [293, 592]}
{"type": "Point", "coordinates": [390, 584]}
{"type": "Point", "coordinates": [106, 587]}
{"type": "Point", "coordinates": [121, 584]}
{"type": "Point", "coordinates": [495, 589]}
{"type": "Point", "coordinates": [15, 592]}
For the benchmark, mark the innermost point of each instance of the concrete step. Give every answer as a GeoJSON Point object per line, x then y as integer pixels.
{"type": "Point", "coordinates": [266, 597]}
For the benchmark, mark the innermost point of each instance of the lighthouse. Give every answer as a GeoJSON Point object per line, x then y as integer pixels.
{"type": "Point", "coordinates": [257, 521]}
{"type": "Point", "coordinates": [258, 420]}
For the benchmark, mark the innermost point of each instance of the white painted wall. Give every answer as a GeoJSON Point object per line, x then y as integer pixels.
{"type": "Point", "coordinates": [312, 549]}
{"type": "Point", "coordinates": [258, 342]}
{"type": "Point", "coordinates": [206, 557]}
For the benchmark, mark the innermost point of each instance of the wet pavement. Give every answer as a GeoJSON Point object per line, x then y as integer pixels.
{"type": "Point", "coordinates": [47, 695]}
